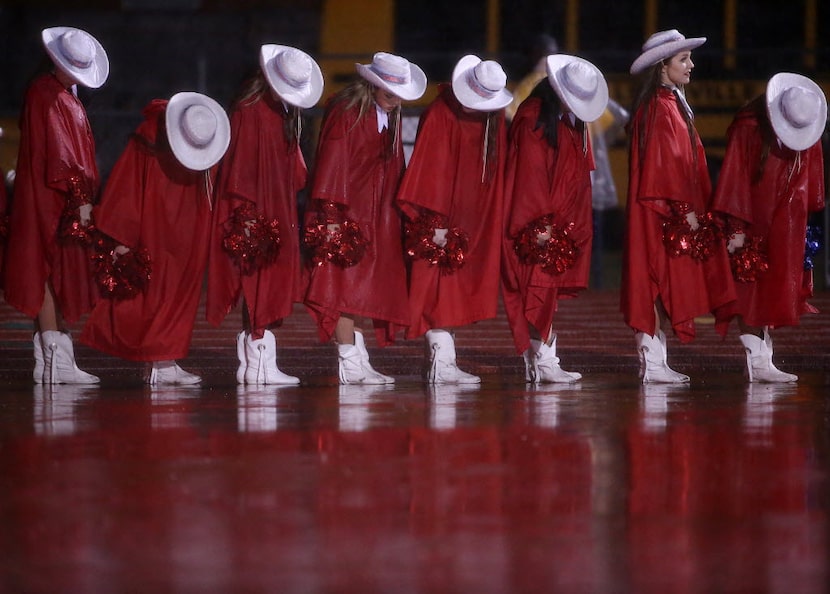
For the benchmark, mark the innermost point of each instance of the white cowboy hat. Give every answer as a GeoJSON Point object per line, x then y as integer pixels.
{"type": "Point", "coordinates": [479, 84]}
{"type": "Point", "coordinates": [395, 74]}
{"type": "Point", "coordinates": [797, 109]}
{"type": "Point", "coordinates": [78, 54]}
{"type": "Point", "coordinates": [198, 130]}
{"type": "Point", "coordinates": [662, 45]}
{"type": "Point", "coordinates": [292, 74]}
{"type": "Point", "coordinates": [579, 84]}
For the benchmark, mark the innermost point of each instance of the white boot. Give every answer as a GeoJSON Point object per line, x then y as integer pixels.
{"type": "Point", "coordinates": [351, 369]}
{"type": "Point", "coordinates": [442, 366]}
{"type": "Point", "coordinates": [262, 362]}
{"type": "Point", "coordinates": [240, 355]}
{"type": "Point", "coordinates": [653, 363]}
{"type": "Point", "coordinates": [168, 373]}
{"type": "Point", "coordinates": [59, 365]}
{"type": "Point", "coordinates": [548, 370]}
{"type": "Point", "coordinates": [759, 366]}
{"type": "Point", "coordinates": [37, 372]}
{"type": "Point", "coordinates": [371, 372]}
{"type": "Point", "coordinates": [679, 377]}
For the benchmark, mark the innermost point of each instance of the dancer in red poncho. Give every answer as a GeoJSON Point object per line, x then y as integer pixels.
{"type": "Point", "coordinates": [675, 266]}
{"type": "Point", "coordinates": [548, 213]}
{"type": "Point", "coordinates": [353, 226]}
{"type": "Point", "coordinates": [156, 207]}
{"type": "Point", "coordinates": [255, 243]}
{"type": "Point", "coordinates": [772, 177]}
{"type": "Point", "coordinates": [47, 266]}
{"type": "Point", "coordinates": [452, 194]}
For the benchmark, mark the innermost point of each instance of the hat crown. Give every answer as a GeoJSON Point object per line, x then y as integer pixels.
{"type": "Point", "coordinates": [198, 125]}
{"type": "Point", "coordinates": [580, 79]}
{"type": "Point", "coordinates": [799, 106]}
{"type": "Point", "coordinates": [661, 38]}
{"type": "Point", "coordinates": [489, 77]}
{"type": "Point", "coordinates": [391, 68]}
{"type": "Point", "coordinates": [77, 47]}
{"type": "Point", "coordinates": [294, 67]}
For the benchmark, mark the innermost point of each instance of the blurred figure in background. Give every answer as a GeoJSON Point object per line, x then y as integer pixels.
{"type": "Point", "coordinates": [603, 132]}
{"type": "Point", "coordinates": [543, 45]}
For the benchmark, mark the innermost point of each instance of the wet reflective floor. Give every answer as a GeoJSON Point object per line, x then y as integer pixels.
{"type": "Point", "coordinates": [603, 486]}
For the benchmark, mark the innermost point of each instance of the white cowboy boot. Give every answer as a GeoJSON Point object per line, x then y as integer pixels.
{"type": "Point", "coordinates": [548, 370]}
{"type": "Point", "coordinates": [262, 362]}
{"type": "Point", "coordinates": [59, 365]}
{"type": "Point", "coordinates": [351, 369]}
{"type": "Point", "coordinates": [37, 372]}
{"type": "Point", "coordinates": [442, 366]}
{"type": "Point", "coordinates": [680, 377]}
{"type": "Point", "coordinates": [240, 355]}
{"type": "Point", "coordinates": [653, 364]}
{"type": "Point", "coordinates": [168, 373]}
{"type": "Point", "coordinates": [379, 378]}
{"type": "Point", "coordinates": [759, 366]}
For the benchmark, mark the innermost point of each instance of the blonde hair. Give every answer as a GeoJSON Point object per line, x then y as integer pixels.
{"type": "Point", "coordinates": [361, 93]}
{"type": "Point", "coordinates": [254, 89]}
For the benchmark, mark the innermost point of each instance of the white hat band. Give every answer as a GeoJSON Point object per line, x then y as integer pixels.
{"type": "Point", "coordinates": [477, 87]}
{"type": "Point", "coordinates": [389, 77]}
{"type": "Point", "coordinates": [77, 48]}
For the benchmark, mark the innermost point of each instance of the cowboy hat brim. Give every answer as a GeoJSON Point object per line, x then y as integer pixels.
{"type": "Point", "coordinates": [467, 96]}
{"type": "Point", "coordinates": [92, 76]}
{"type": "Point", "coordinates": [410, 91]}
{"type": "Point", "coordinates": [192, 157]}
{"type": "Point", "coordinates": [586, 110]}
{"type": "Point", "coordinates": [797, 139]}
{"type": "Point", "coordinates": [304, 97]}
{"type": "Point", "coordinates": [652, 56]}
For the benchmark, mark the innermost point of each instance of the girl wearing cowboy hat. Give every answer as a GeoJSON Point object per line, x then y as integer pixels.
{"type": "Point", "coordinates": [353, 226]}
{"type": "Point", "coordinates": [255, 244]}
{"type": "Point", "coordinates": [674, 269]}
{"type": "Point", "coordinates": [548, 220]}
{"type": "Point", "coordinates": [47, 269]}
{"type": "Point", "coordinates": [156, 211]}
{"type": "Point", "coordinates": [452, 194]}
{"type": "Point", "coordinates": [772, 177]}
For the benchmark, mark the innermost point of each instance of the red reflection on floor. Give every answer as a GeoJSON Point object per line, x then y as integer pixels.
{"type": "Point", "coordinates": [605, 486]}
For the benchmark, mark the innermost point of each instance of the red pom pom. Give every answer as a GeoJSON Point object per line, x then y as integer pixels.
{"type": "Point", "coordinates": [120, 277]}
{"type": "Point", "coordinates": [419, 244]}
{"type": "Point", "coordinates": [251, 240]}
{"type": "Point", "coordinates": [70, 228]}
{"type": "Point", "coordinates": [751, 260]}
{"type": "Point", "coordinates": [680, 240]}
{"type": "Point", "coordinates": [345, 247]}
{"type": "Point", "coordinates": [556, 255]}
{"type": "Point", "coordinates": [707, 237]}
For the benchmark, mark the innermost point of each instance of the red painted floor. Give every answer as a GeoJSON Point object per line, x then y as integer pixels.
{"type": "Point", "coordinates": [604, 486]}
